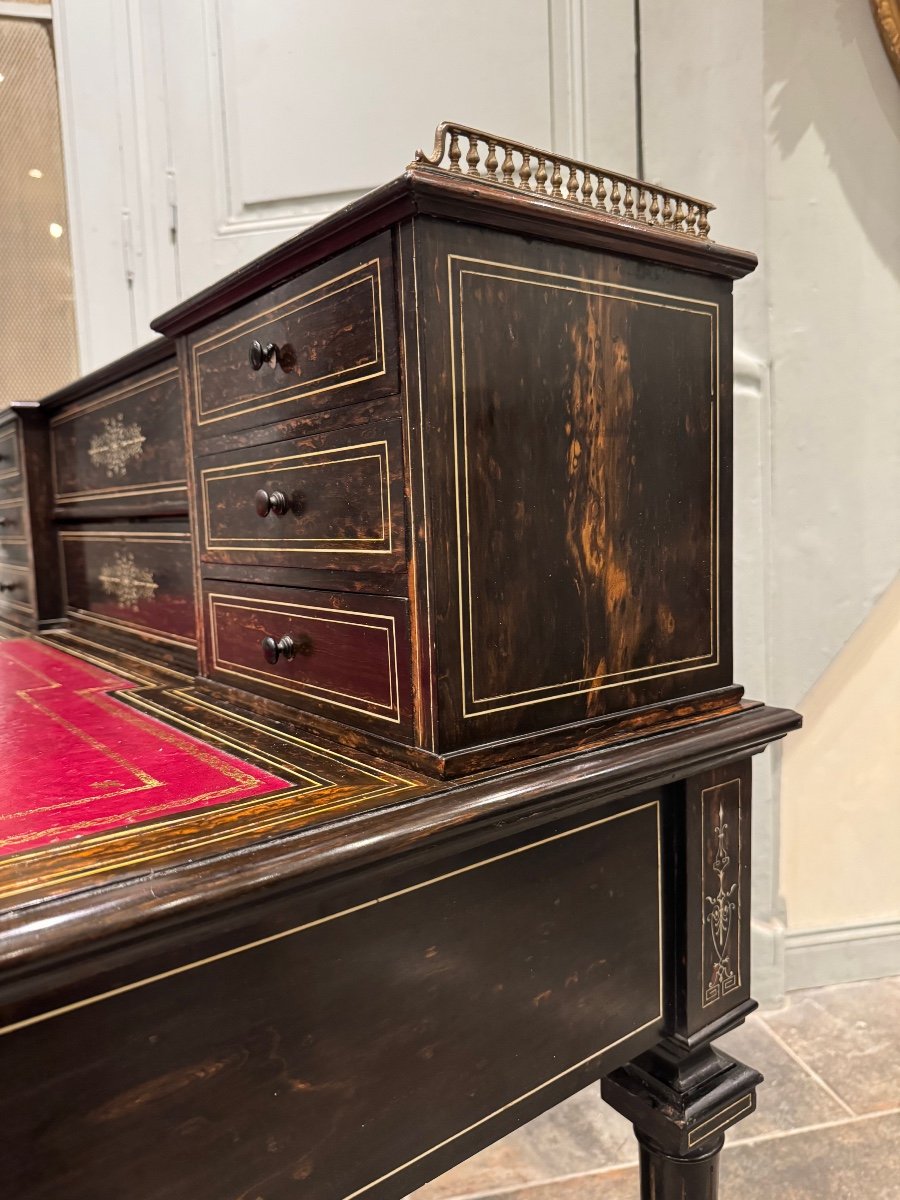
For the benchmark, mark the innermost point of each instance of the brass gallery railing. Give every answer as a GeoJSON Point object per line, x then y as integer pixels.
{"type": "Point", "coordinates": [492, 159]}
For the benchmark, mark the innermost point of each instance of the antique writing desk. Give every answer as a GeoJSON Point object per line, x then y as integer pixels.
{"type": "Point", "coordinates": [452, 816]}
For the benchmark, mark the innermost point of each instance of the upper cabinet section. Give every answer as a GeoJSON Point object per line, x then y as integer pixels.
{"type": "Point", "coordinates": [497, 388]}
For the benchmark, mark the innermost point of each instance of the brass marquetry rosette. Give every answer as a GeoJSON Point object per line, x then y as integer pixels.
{"type": "Point", "coordinates": [116, 446]}
{"type": "Point", "coordinates": [126, 582]}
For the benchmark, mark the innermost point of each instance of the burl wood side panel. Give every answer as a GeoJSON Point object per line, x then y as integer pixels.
{"type": "Point", "coordinates": [575, 439]}
{"type": "Point", "coordinates": [135, 579]}
{"type": "Point", "coordinates": [123, 450]}
{"type": "Point", "coordinates": [335, 332]}
{"type": "Point", "coordinates": [363, 1031]}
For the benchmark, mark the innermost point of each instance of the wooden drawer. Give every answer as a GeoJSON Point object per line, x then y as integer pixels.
{"type": "Point", "coordinates": [351, 659]}
{"type": "Point", "coordinates": [338, 502]}
{"type": "Point", "coordinates": [16, 590]}
{"type": "Point", "coordinates": [135, 579]}
{"type": "Point", "coordinates": [13, 529]}
{"type": "Point", "coordinates": [123, 451]}
{"type": "Point", "coordinates": [10, 463]}
{"type": "Point", "coordinates": [333, 335]}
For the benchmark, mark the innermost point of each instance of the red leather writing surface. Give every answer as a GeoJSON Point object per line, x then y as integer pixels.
{"type": "Point", "coordinates": [76, 761]}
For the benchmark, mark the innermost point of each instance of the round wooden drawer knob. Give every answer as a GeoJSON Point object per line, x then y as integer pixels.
{"type": "Point", "coordinates": [8, 587]}
{"type": "Point", "coordinates": [260, 354]}
{"type": "Point", "coordinates": [286, 647]}
{"type": "Point", "coordinates": [274, 502]}
{"type": "Point", "coordinates": [5, 522]}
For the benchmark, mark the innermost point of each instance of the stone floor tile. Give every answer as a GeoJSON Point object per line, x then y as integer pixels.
{"type": "Point", "coordinates": [859, 1160]}
{"type": "Point", "coordinates": [850, 1036]}
{"type": "Point", "coordinates": [789, 1098]}
{"type": "Point", "coordinates": [581, 1134]}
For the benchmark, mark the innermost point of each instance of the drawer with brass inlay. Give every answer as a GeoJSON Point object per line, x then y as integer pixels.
{"type": "Point", "coordinates": [333, 501]}
{"type": "Point", "coordinates": [16, 590]}
{"type": "Point", "coordinates": [342, 656]}
{"type": "Point", "coordinates": [122, 451]}
{"type": "Point", "coordinates": [10, 465]}
{"type": "Point", "coordinates": [324, 339]}
{"type": "Point", "coordinates": [13, 531]}
{"type": "Point", "coordinates": [132, 580]}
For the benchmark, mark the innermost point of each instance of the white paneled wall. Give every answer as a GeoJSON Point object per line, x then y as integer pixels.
{"type": "Point", "coordinates": [202, 132]}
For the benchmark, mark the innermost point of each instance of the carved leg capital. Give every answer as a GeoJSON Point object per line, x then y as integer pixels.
{"type": "Point", "coordinates": [680, 1105]}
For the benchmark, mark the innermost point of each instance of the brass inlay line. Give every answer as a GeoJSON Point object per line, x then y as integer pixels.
{"type": "Point", "coordinates": [146, 782]}
{"type": "Point", "coordinates": [712, 993]}
{"type": "Point", "coordinates": [296, 389]}
{"type": "Point", "coordinates": [124, 989]}
{"type": "Point", "coordinates": [75, 411]}
{"type": "Point", "coordinates": [128, 489]}
{"type": "Point", "coordinates": [609, 291]}
{"type": "Point", "coordinates": [217, 600]}
{"type": "Point", "coordinates": [99, 998]}
{"type": "Point", "coordinates": [61, 640]}
{"type": "Point", "coordinates": [420, 645]}
{"type": "Point", "coordinates": [589, 188]}
{"type": "Point", "coordinates": [397, 782]}
{"type": "Point", "coordinates": [14, 539]}
{"type": "Point", "coordinates": [722, 1119]}
{"type": "Point", "coordinates": [80, 408]}
{"type": "Point", "coordinates": [125, 535]}
{"type": "Point", "coordinates": [14, 471]}
{"type": "Point", "coordinates": [6, 601]}
{"type": "Point", "coordinates": [147, 631]}
{"type": "Point", "coordinates": [330, 458]}
{"type": "Point", "coordinates": [384, 783]}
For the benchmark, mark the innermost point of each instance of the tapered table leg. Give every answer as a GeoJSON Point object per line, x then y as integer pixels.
{"type": "Point", "coordinates": [694, 1177]}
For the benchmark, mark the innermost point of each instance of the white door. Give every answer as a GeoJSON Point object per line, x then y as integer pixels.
{"type": "Point", "coordinates": [202, 132]}
{"type": "Point", "coordinates": [282, 112]}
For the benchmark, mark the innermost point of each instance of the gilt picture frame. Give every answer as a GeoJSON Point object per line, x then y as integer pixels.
{"type": "Point", "coordinates": [887, 18]}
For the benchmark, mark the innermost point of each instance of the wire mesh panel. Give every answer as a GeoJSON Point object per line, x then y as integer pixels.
{"type": "Point", "coordinates": [37, 318]}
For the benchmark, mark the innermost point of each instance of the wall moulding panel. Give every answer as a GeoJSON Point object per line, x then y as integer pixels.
{"type": "Point", "coordinates": [198, 131]}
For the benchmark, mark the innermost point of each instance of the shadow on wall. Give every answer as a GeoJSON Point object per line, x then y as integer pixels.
{"type": "Point", "coordinates": [841, 820]}
{"type": "Point", "coordinates": [803, 77]}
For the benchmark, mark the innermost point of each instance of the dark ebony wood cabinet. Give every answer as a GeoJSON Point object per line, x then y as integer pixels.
{"type": "Point", "coordinates": [449, 519]}
{"type": "Point", "coordinates": [508, 408]}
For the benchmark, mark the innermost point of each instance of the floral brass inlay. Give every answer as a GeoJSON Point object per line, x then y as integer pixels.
{"type": "Point", "coordinates": [720, 918]}
{"type": "Point", "coordinates": [116, 446]}
{"type": "Point", "coordinates": [128, 583]}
